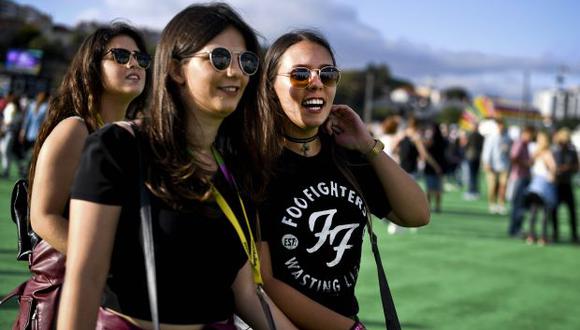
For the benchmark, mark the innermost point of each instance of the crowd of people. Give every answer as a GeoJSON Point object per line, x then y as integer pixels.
{"type": "Point", "coordinates": [20, 122]}
{"type": "Point", "coordinates": [253, 182]}
{"type": "Point", "coordinates": [528, 176]}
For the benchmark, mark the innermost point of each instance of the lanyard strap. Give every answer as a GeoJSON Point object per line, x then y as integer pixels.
{"type": "Point", "coordinates": [250, 248]}
{"type": "Point", "coordinates": [100, 122]}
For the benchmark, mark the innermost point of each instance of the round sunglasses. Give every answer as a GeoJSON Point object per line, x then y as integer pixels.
{"type": "Point", "coordinates": [300, 77]}
{"type": "Point", "coordinates": [221, 58]}
{"type": "Point", "coordinates": [122, 56]}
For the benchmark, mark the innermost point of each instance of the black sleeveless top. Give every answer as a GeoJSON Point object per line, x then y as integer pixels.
{"type": "Point", "coordinates": [408, 155]}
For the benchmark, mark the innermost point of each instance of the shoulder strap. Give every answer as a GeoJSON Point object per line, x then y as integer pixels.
{"type": "Point", "coordinates": [147, 235]}
{"type": "Point", "coordinates": [389, 311]}
{"type": "Point", "coordinates": [391, 318]}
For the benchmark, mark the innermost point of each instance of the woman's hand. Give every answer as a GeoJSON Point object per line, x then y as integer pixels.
{"type": "Point", "coordinates": [348, 129]}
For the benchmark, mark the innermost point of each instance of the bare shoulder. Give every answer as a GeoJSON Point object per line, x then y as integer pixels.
{"type": "Point", "coordinates": [71, 127]}
{"type": "Point", "coordinates": [68, 135]}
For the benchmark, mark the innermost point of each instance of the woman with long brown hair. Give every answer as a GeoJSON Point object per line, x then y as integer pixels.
{"type": "Point", "coordinates": [541, 192]}
{"type": "Point", "coordinates": [103, 84]}
{"type": "Point", "coordinates": [197, 152]}
{"type": "Point", "coordinates": [329, 174]}
{"type": "Point", "coordinates": [106, 81]}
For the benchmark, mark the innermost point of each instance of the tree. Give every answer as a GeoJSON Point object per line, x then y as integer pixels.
{"type": "Point", "coordinates": [24, 36]}
{"type": "Point", "coordinates": [456, 93]}
{"type": "Point", "coordinates": [450, 115]}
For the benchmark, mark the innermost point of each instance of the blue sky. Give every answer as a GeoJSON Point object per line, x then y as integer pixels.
{"type": "Point", "coordinates": [484, 45]}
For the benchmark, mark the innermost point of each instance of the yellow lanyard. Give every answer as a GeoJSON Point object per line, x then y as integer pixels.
{"type": "Point", "coordinates": [250, 248]}
{"type": "Point", "coordinates": [100, 122]}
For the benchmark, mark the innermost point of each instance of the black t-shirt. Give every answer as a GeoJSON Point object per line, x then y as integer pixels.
{"type": "Point", "coordinates": [565, 155]}
{"type": "Point", "coordinates": [197, 252]}
{"type": "Point", "coordinates": [313, 221]}
{"type": "Point", "coordinates": [474, 146]}
{"type": "Point", "coordinates": [408, 155]}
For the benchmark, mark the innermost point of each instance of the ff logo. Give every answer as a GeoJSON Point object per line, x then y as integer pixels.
{"type": "Point", "coordinates": [289, 241]}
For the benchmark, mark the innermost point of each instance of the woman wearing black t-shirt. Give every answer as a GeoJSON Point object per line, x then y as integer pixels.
{"type": "Point", "coordinates": [330, 172]}
{"type": "Point", "coordinates": [203, 105]}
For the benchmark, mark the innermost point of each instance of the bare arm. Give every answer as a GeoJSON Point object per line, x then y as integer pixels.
{"type": "Point", "coordinates": [550, 161]}
{"type": "Point", "coordinates": [426, 155]}
{"type": "Point", "coordinates": [408, 201]}
{"type": "Point", "coordinates": [55, 169]}
{"type": "Point", "coordinates": [303, 311]}
{"type": "Point", "coordinates": [248, 305]}
{"type": "Point", "coordinates": [92, 233]}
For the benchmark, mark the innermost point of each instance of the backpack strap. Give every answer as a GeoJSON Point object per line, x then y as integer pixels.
{"type": "Point", "coordinates": [146, 229]}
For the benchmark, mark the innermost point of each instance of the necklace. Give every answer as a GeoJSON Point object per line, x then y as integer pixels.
{"type": "Point", "coordinates": [304, 141]}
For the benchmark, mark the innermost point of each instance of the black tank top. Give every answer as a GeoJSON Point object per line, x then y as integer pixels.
{"type": "Point", "coordinates": [408, 155]}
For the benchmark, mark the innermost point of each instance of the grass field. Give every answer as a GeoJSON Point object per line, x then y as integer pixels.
{"type": "Point", "coordinates": [459, 272]}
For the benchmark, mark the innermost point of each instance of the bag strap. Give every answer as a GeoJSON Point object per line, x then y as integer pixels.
{"type": "Point", "coordinates": [391, 318]}
{"type": "Point", "coordinates": [147, 236]}
{"type": "Point", "coordinates": [389, 311]}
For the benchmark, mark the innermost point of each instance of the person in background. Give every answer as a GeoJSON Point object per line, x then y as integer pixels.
{"type": "Point", "coordinates": [12, 117]}
{"type": "Point", "coordinates": [33, 119]}
{"type": "Point", "coordinates": [390, 126]}
{"type": "Point", "coordinates": [566, 158]}
{"type": "Point", "coordinates": [4, 101]}
{"type": "Point", "coordinates": [520, 175]}
{"type": "Point", "coordinates": [436, 146]}
{"type": "Point", "coordinates": [473, 148]}
{"type": "Point", "coordinates": [453, 159]}
{"type": "Point", "coordinates": [496, 163]}
{"type": "Point", "coordinates": [197, 148]}
{"type": "Point", "coordinates": [410, 148]}
{"type": "Point", "coordinates": [541, 193]}
{"type": "Point", "coordinates": [329, 174]}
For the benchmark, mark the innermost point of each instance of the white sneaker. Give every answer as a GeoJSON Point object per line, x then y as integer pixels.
{"type": "Point", "coordinates": [501, 209]}
{"type": "Point", "coordinates": [392, 228]}
{"type": "Point", "coordinates": [493, 208]}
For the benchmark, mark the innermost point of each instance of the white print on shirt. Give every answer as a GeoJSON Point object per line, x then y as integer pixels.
{"type": "Point", "coordinates": [332, 285]}
{"type": "Point", "coordinates": [325, 229]}
{"type": "Point", "coordinates": [316, 191]}
{"type": "Point", "coordinates": [290, 241]}
{"type": "Point", "coordinates": [326, 232]}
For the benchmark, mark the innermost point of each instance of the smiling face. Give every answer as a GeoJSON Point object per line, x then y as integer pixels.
{"type": "Point", "coordinates": [126, 80]}
{"type": "Point", "coordinates": [306, 109]}
{"type": "Point", "coordinates": [209, 92]}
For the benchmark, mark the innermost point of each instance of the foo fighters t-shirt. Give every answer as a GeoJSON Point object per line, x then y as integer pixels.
{"type": "Point", "coordinates": [313, 221]}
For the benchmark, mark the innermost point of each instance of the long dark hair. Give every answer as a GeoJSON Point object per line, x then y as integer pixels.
{"type": "Point", "coordinates": [175, 175]}
{"type": "Point", "coordinates": [81, 89]}
{"type": "Point", "coordinates": [268, 101]}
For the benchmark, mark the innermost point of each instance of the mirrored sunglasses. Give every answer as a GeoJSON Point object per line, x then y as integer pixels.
{"type": "Point", "coordinates": [300, 77]}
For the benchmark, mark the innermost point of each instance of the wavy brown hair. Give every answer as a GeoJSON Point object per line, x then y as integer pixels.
{"type": "Point", "coordinates": [174, 174]}
{"type": "Point", "coordinates": [268, 101]}
{"type": "Point", "coordinates": [81, 87]}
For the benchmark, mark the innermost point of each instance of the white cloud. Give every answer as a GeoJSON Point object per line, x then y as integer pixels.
{"type": "Point", "coordinates": [90, 14]}
{"type": "Point", "coordinates": [356, 43]}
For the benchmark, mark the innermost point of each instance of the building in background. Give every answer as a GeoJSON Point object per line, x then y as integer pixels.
{"type": "Point", "coordinates": [558, 104]}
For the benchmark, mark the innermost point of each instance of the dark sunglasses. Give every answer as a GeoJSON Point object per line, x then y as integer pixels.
{"type": "Point", "coordinates": [122, 56]}
{"type": "Point", "coordinates": [300, 77]}
{"type": "Point", "coordinates": [221, 58]}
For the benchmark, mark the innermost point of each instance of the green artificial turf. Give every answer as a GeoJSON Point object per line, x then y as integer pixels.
{"type": "Point", "coordinates": [459, 272]}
